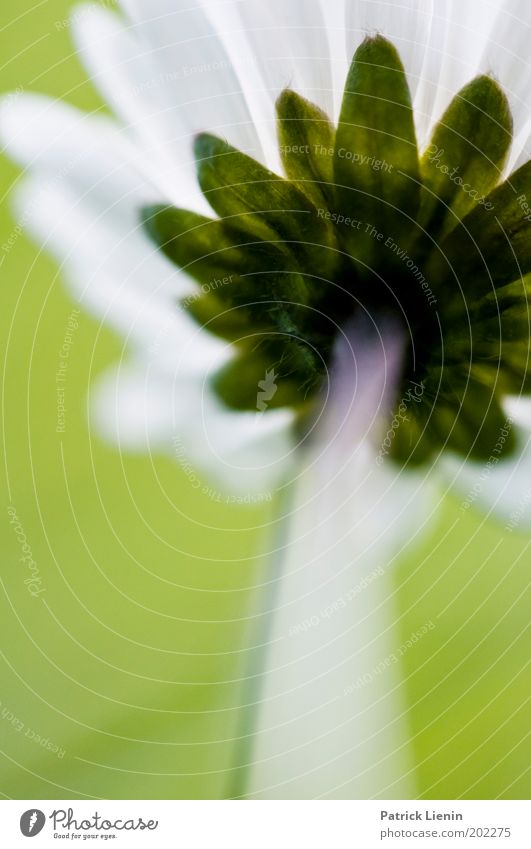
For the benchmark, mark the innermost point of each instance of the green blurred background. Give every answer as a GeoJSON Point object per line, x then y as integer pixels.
{"type": "Point", "coordinates": [129, 662]}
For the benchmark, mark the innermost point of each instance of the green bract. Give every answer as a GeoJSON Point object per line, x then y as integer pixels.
{"type": "Point", "coordinates": [362, 222]}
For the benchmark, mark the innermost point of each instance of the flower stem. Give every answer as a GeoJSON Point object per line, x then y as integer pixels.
{"type": "Point", "coordinates": [255, 660]}
{"type": "Point", "coordinates": [332, 719]}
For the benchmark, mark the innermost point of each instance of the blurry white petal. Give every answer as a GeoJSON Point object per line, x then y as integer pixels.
{"type": "Point", "coordinates": [89, 154]}
{"type": "Point", "coordinates": [195, 76]}
{"type": "Point", "coordinates": [142, 409]}
{"type": "Point", "coordinates": [115, 271]}
{"type": "Point", "coordinates": [244, 451]}
{"type": "Point", "coordinates": [131, 408]}
{"type": "Point", "coordinates": [519, 409]}
{"type": "Point", "coordinates": [100, 229]}
{"type": "Point", "coordinates": [123, 70]}
{"type": "Point", "coordinates": [88, 196]}
{"type": "Point", "coordinates": [71, 146]}
{"type": "Point", "coordinates": [499, 488]}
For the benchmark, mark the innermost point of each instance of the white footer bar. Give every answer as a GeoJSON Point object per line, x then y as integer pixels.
{"type": "Point", "coordinates": [267, 824]}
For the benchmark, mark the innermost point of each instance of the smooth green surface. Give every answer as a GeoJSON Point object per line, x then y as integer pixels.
{"type": "Point", "coordinates": [130, 659]}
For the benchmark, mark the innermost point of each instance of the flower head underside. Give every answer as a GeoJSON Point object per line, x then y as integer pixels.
{"type": "Point", "coordinates": [364, 224]}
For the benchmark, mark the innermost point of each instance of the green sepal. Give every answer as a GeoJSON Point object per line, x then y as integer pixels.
{"type": "Point", "coordinates": [516, 294]}
{"type": "Point", "coordinates": [460, 411]}
{"type": "Point", "coordinates": [498, 374]}
{"type": "Point", "coordinates": [247, 194]}
{"type": "Point", "coordinates": [376, 158]}
{"type": "Point", "coordinates": [208, 249]}
{"type": "Point", "coordinates": [270, 374]}
{"type": "Point", "coordinates": [411, 441]}
{"type": "Point", "coordinates": [514, 367]}
{"type": "Point", "coordinates": [262, 277]}
{"type": "Point", "coordinates": [466, 155]}
{"type": "Point", "coordinates": [306, 140]}
{"type": "Point", "coordinates": [471, 422]}
{"type": "Point", "coordinates": [512, 325]}
{"type": "Point", "coordinates": [491, 247]}
{"type": "Point", "coordinates": [204, 247]}
{"type": "Point", "coordinates": [234, 324]}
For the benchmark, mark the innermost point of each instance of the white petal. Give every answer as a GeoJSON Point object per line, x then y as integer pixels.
{"type": "Point", "coordinates": [459, 36]}
{"type": "Point", "coordinates": [243, 453]}
{"type": "Point", "coordinates": [123, 70]}
{"type": "Point", "coordinates": [334, 13]}
{"type": "Point", "coordinates": [70, 145]}
{"type": "Point", "coordinates": [115, 271]}
{"type": "Point", "coordinates": [247, 452]}
{"type": "Point", "coordinates": [86, 214]}
{"type": "Point", "coordinates": [86, 208]}
{"type": "Point", "coordinates": [224, 15]}
{"type": "Point", "coordinates": [288, 40]}
{"type": "Point", "coordinates": [521, 149]}
{"type": "Point", "coordinates": [131, 408]}
{"type": "Point", "coordinates": [406, 23]}
{"type": "Point", "coordinates": [499, 488]}
{"type": "Point", "coordinates": [519, 409]}
{"type": "Point", "coordinates": [507, 57]}
{"type": "Point", "coordinates": [195, 76]}
{"type": "Point", "coordinates": [283, 44]}
{"type": "Point", "coordinates": [89, 153]}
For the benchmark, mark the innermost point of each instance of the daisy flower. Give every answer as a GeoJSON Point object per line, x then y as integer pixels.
{"type": "Point", "coordinates": [311, 221]}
